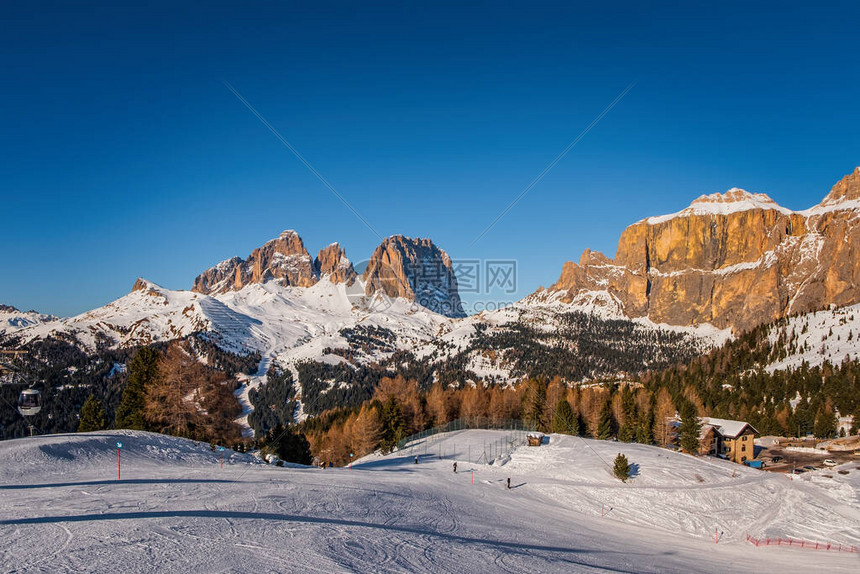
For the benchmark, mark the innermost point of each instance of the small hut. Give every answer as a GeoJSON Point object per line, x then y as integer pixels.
{"type": "Point", "coordinates": [535, 439]}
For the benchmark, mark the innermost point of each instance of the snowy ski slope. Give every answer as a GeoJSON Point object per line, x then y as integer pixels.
{"type": "Point", "coordinates": [175, 510]}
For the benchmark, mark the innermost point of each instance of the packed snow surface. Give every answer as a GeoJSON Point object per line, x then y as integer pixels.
{"type": "Point", "coordinates": [176, 509]}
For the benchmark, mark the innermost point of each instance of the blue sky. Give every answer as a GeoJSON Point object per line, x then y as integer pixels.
{"type": "Point", "coordinates": [124, 155]}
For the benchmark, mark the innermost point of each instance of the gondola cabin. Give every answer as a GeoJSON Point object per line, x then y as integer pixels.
{"type": "Point", "coordinates": [29, 402]}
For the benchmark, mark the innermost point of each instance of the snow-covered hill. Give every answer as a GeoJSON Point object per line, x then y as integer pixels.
{"type": "Point", "coordinates": [832, 336]}
{"type": "Point", "coordinates": [12, 320]}
{"type": "Point", "coordinates": [282, 322]}
{"type": "Point", "coordinates": [176, 509]}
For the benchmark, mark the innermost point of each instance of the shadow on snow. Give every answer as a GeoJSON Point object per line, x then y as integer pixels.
{"type": "Point", "coordinates": [508, 546]}
{"type": "Point", "coordinates": [124, 481]}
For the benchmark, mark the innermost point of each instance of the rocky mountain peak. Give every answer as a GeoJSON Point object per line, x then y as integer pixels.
{"type": "Point", "coordinates": [332, 262]}
{"type": "Point", "coordinates": [283, 259]}
{"type": "Point", "coordinates": [417, 270]}
{"type": "Point", "coordinates": [721, 204]}
{"type": "Point", "coordinates": [846, 189]}
{"type": "Point", "coordinates": [414, 269]}
{"type": "Point", "coordinates": [734, 259]}
{"type": "Point", "coordinates": [734, 195]}
{"type": "Point", "coordinates": [141, 285]}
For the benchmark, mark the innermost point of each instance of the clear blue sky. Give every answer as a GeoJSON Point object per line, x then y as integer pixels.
{"type": "Point", "coordinates": [124, 155]}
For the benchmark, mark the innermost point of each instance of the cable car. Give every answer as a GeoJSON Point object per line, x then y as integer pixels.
{"type": "Point", "coordinates": [29, 402]}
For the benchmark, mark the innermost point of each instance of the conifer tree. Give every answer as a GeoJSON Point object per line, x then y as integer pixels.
{"type": "Point", "coordinates": [690, 429]}
{"type": "Point", "coordinates": [93, 416]}
{"type": "Point", "coordinates": [825, 424]}
{"type": "Point", "coordinates": [605, 426]}
{"type": "Point", "coordinates": [621, 469]}
{"type": "Point", "coordinates": [142, 371]}
{"type": "Point", "coordinates": [627, 431]}
{"type": "Point", "coordinates": [288, 445]}
{"type": "Point", "coordinates": [644, 424]}
{"type": "Point", "coordinates": [393, 425]}
{"type": "Point", "coordinates": [535, 403]}
{"type": "Point", "coordinates": [367, 430]}
{"type": "Point", "coordinates": [565, 421]}
{"type": "Point", "coordinates": [663, 410]}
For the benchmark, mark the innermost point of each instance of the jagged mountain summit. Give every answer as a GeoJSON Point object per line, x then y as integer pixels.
{"type": "Point", "coordinates": [412, 269]}
{"type": "Point", "coordinates": [417, 270]}
{"type": "Point", "coordinates": [401, 267]}
{"type": "Point", "coordinates": [734, 260]}
{"type": "Point", "coordinates": [278, 299]}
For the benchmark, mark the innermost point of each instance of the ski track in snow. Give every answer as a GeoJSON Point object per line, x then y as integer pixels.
{"type": "Point", "coordinates": [63, 511]}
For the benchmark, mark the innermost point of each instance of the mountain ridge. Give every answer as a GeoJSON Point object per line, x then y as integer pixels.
{"type": "Point", "coordinates": [411, 268]}
{"type": "Point", "coordinates": [735, 260]}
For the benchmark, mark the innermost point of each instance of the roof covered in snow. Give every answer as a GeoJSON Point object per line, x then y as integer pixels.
{"type": "Point", "coordinates": [726, 427]}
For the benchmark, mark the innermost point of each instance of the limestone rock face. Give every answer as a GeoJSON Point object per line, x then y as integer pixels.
{"type": "Point", "coordinates": [733, 260]}
{"type": "Point", "coordinates": [284, 259]}
{"type": "Point", "coordinates": [417, 270]}
{"type": "Point", "coordinates": [414, 269]}
{"type": "Point", "coordinates": [332, 262]}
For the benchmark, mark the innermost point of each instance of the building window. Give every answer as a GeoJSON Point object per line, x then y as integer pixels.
{"type": "Point", "coordinates": [745, 437]}
{"type": "Point", "coordinates": [744, 448]}
{"type": "Point", "coordinates": [743, 458]}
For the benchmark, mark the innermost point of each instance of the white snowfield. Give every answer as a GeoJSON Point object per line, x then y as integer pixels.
{"type": "Point", "coordinates": [832, 335]}
{"type": "Point", "coordinates": [13, 320]}
{"type": "Point", "coordinates": [176, 510]}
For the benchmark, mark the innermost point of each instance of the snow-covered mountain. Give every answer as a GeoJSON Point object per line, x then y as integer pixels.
{"type": "Point", "coordinates": [284, 305]}
{"type": "Point", "coordinates": [12, 320]}
{"type": "Point", "coordinates": [399, 311]}
{"type": "Point", "coordinates": [413, 269]}
{"type": "Point", "coordinates": [733, 260]}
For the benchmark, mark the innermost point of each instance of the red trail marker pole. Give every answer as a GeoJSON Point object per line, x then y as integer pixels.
{"type": "Point", "coordinates": [119, 461]}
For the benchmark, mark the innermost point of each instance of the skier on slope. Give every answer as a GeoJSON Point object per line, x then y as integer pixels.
{"type": "Point", "coordinates": [455, 466]}
{"type": "Point", "coordinates": [509, 483]}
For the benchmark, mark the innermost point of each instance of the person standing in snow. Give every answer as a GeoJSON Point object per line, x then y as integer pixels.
{"type": "Point", "coordinates": [455, 466]}
{"type": "Point", "coordinates": [416, 460]}
{"type": "Point", "coordinates": [509, 483]}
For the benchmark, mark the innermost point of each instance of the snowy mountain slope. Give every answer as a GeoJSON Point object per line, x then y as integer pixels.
{"type": "Point", "coordinates": [283, 324]}
{"type": "Point", "coordinates": [177, 509]}
{"type": "Point", "coordinates": [13, 320]}
{"type": "Point", "coordinates": [813, 338]}
{"type": "Point", "coordinates": [286, 323]}
{"type": "Point", "coordinates": [495, 342]}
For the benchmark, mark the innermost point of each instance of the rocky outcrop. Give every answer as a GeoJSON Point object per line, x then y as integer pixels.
{"type": "Point", "coordinates": [332, 263]}
{"type": "Point", "coordinates": [417, 270]}
{"type": "Point", "coordinates": [414, 269]}
{"type": "Point", "coordinates": [733, 260]}
{"type": "Point", "coordinates": [284, 260]}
